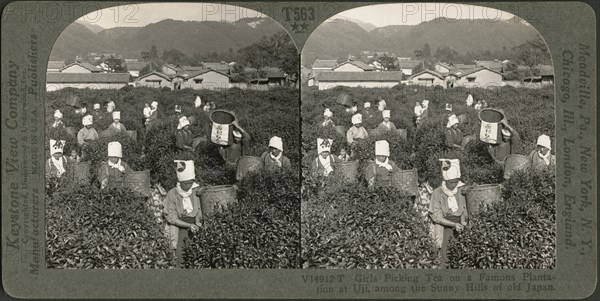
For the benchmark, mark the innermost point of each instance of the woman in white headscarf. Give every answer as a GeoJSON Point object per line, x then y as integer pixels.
{"type": "Point", "coordinates": [542, 157]}
{"type": "Point", "coordinates": [57, 164]}
{"type": "Point", "coordinates": [447, 207]}
{"type": "Point", "coordinates": [184, 138]}
{"type": "Point", "coordinates": [152, 116]}
{"type": "Point", "coordinates": [182, 207]}
{"type": "Point", "coordinates": [327, 122]}
{"type": "Point", "coordinates": [116, 127]}
{"type": "Point", "coordinates": [111, 173]}
{"type": "Point", "coordinates": [424, 112]}
{"type": "Point", "coordinates": [379, 172]}
{"type": "Point", "coordinates": [58, 123]}
{"type": "Point", "coordinates": [386, 124]}
{"type": "Point", "coordinates": [323, 163]}
{"type": "Point", "coordinates": [454, 136]}
{"type": "Point", "coordinates": [274, 159]}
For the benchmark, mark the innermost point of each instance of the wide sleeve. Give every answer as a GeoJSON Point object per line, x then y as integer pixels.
{"type": "Point", "coordinates": [365, 133]}
{"type": "Point", "coordinates": [449, 141]}
{"type": "Point", "coordinates": [350, 136]}
{"type": "Point", "coordinates": [126, 166]}
{"type": "Point", "coordinates": [95, 134]}
{"type": "Point", "coordinates": [102, 172]}
{"type": "Point", "coordinates": [370, 171]}
{"type": "Point", "coordinates": [179, 139]}
{"type": "Point", "coordinates": [123, 128]}
{"type": "Point", "coordinates": [392, 126]}
{"type": "Point", "coordinates": [171, 208]}
{"type": "Point", "coordinates": [435, 207]}
{"type": "Point", "coordinates": [80, 137]}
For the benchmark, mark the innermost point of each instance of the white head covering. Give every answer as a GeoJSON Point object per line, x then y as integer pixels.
{"type": "Point", "coordinates": [386, 113]}
{"type": "Point", "coordinates": [110, 106]}
{"type": "Point", "coordinates": [506, 132]}
{"type": "Point", "coordinates": [469, 100]}
{"type": "Point", "coordinates": [381, 105]}
{"type": "Point", "coordinates": [276, 142]}
{"type": "Point", "coordinates": [448, 107]}
{"type": "Point", "coordinates": [178, 108]}
{"type": "Point", "coordinates": [154, 104]}
{"type": "Point", "coordinates": [185, 170]}
{"type": "Point", "coordinates": [452, 120]}
{"type": "Point", "coordinates": [96, 106]}
{"type": "Point", "coordinates": [56, 146]}
{"type": "Point", "coordinates": [88, 120]}
{"type": "Point", "coordinates": [197, 102]}
{"type": "Point", "coordinates": [115, 149]}
{"type": "Point", "coordinates": [367, 104]}
{"type": "Point", "coordinates": [425, 104]}
{"type": "Point", "coordinates": [324, 145]}
{"type": "Point", "coordinates": [327, 113]}
{"type": "Point", "coordinates": [116, 115]}
{"type": "Point", "coordinates": [357, 118]}
{"type": "Point", "coordinates": [237, 134]}
{"type": "Point", "coordinates": [544, 140]}
{"type": "Point", "coordinates": [382, 148]}
{"type": "Point", "coordinates": [58, 114]}
{"type": "Point", "coordinates": [450, 169]}
{"type": "Point", "coordinates": [183, 121]}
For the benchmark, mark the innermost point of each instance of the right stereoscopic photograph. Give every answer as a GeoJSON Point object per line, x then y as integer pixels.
{"type": "Point", "coordinates": [428, 137]}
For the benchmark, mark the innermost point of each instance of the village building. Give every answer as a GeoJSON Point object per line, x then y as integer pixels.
{"type": "Point", "coordinates": [204, 79]}
{"type": "Point", "coordinates": [222, 67]}
{"type": "Point", "coordinates": [322, 66]}
{"type": "Point", "coordinates": [481, 77]}
{"type": "Point", "coordinates": [135, 67]}
{"type": "Point", "coordinates": [329, 80]}
{"type": "Point", "coordinates": [352, 66]}
{"type": "Point", "coordinates": [442, 68]}
{"type": "Point", "coordinates": [407, 67]}
{"type": "Point", "coordinates": [55, 66]}
{"type": "Point", "coordinates": [154, 79]}
{"type": "Point", "coordinates": [495, 65]}
{"type": "Point", "coordinates": [428, 78]}
{"type": "Point", "coordinates": [60, 80]}
{"type": "Point", "coordinates": [80, 67]}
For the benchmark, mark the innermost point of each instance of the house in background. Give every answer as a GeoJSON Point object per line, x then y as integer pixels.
{"type": "Point", "coordinates": [80, 67]}
{"type": "Point", "coordinates": [60, 80]}
{"type": "Point", "coordinates": [154, 79]}
{"type": "Point", "coordinates": [463, 67]}
{"type": "Point", "coordinates": [55, 66]}
{"type": "Point", "coordinates": [442, 68]}
{"type": "Point", "coordinates": [352, 66]}
{"type": "Point", "coordinates": [407, 67]}
{"type": "Point", "coordinates": [206, 79]}
{"type": "Point", "coordinates": [495, 65]}
{"type": "Point", "coordinates": [481, 77]}
{"type": "Point", "coordinates": [322, 66]}
{"type": "Point", "coordinates": [428, 78]}
{"type": "Point", "coordinates": [222, 67]}
{"type": "Point", "coordinates": [332, 79]}
{"type": "Point", "coordinates": [170, 69]}
{"type": "Point", "coordinates": [134, 68]}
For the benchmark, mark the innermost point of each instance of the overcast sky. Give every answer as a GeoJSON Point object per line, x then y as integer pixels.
{"type": "Point", "coordinates": [135, 15]}
{"type": "Point", "coordinates": [415, 13]}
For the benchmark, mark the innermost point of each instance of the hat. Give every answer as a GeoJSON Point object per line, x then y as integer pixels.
{"type": "Point", "coordinates": [56, 146]}
{"type": "Point", "coordinates": [544, 140]}
{"type": "Point", "coordinates": [324, 145]}
{"type": "Point", "coordinates": [386, 113]}
{"type": "Point", "coordinates": [116, 115]}
{"type": "Point", "coordinates": [96, 106]}
{"type": "Point", "coordinates": [154, 104]}
{"type": "Point", "coordinates": [448, 107]}
{"type": "Point", "coordinates": [237, 134]}
{"type": "Point", "coordinates": [506, 132]}
{"type": "Point", "coordinates": [327, 113]}
{"type": "Point", "coordinates": [382, 148]}
{"type": "Point", "coordinates": [450, 169]}
{"type": "Point", "coordinates": [114, 149]}
{"type": "Point", "coordinates": [178, 108]}
{"type": "Point", "coordinates": [469, 100]}
{"type": "Point", "coordinates": [357, 118]}
{"type": "Point", "coordinates": [185, 170]}
{"type": "Point", "coordinates": [382, 103]}
{"type": "Point", "coordinates": [58, 114]}
{"type": "Point", "coordinates": [183, 121]}
{"type": "Point", "coordinates": [88, 120]}
{"type": "Point", "coordinates": [452, 120]}
{"type": "Point", "coordinates": [367, 104]}
{"type": "Point", "coordinates": [276, 142]}
{"type": "Point", "coordinates": [197, 102]}
{"type": "Point", "coordinates": [425, 103]}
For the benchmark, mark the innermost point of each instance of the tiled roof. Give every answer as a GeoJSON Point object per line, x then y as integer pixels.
{"type": "Point", "coordinates": [194, 74]}
{"type": "Point", "coordinates": [467, 72]}
{"type": "Point", "coordinates": [360, 76]}
{"type": "Point", "coordinates": [160, 74]}
{"type": "Point", "coordinates": [56, 64]}
{"type": "Point", "coordinates": [192, 68]}
{"type": "Point", "coordinates": [136, 66]}
{"type": "Point", "coordinates": [429, 72]}
{"type": "Point", "coordinates": [490, 64]}
{"type": "Point", "coordinates": [324, 64]}
{"type": "Point", "coordinates": [223, 67]}
{"type": "Point", "coordinates": [58, 77]}
{"type": "Point", "coordinates": [358, 64]}
{"type": "Point", "coordinates": [408, 64]}
{"type": "Point", "coordinates": [465, 66]}
{"type": "Point", "coordinates": [85, 65]}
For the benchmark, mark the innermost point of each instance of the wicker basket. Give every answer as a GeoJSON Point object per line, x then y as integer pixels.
{"type": "Point", "coordinates": [405, 181]}
{"type": "Point", "coordinates": [80, 173]}
{"type": "Point", "coordinates": [221, 129]}
{"type": "Point", "coordinates": [490, 130]}
{"type": "Point", "coordinates": [216, 198]}
{"type": "Point", "coordinates": [247, 164]}
{"type": "Point", "coordinates": [347, 171]}
{"type": "Point", "coordinates": [138, 182]}
{"type": "Point", "coordinates": [513, 163]}
{"type": "Point", "coordinates": [482, 196]}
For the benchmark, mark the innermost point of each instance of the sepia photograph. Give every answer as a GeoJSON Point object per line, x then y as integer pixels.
{"type": "Point", "coordinates": [172, 140]}
{"type": "Point", "coordinates": [428, 141]}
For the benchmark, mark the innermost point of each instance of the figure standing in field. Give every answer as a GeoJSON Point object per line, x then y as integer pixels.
{"type": "Point", "coordinates": [239, 147]}
{"type": "Point", "coordinates": [454, 136]}
{"type": "Point", "coordinates": [379, 172]}
{"type": "Point", "coordinates": [197, 101]}
{"type": "Point", "coordinates": [356, 132]}
{"type": "Point", "coordinates": [152, 116]}
{"type": "Point", "coordinates": [58, 123]}
{"type": "Point", "coordinates": [111, 173]}
{"type": "Point", "coordinates": [424, 112]}
{"type": "Point", "coordinates": [177, 116]}
{"type": "Point", "coordinates": [184, 138]}
{"type": "Point", "coordinates": [367, 113]}
{"type": "Point", "coordinates": [469, 100]}
{"type": "Point", "coordinates": [147, 110]}
{"type": "Point", "coordinates": [542, 158]}
{"type": "Point", "coordinates": [447, 207]}
{"type": "Point", "coordinates": [74, 157]}
{"type": "Point", "coordinates": [182, 207]}
{"type": "Point", "coordinates": [417, 110]}
{"type": "Point", "coordinates": [110, 106]}
{"type": "Point", "coordinates": [96, 113]}
{"type": "Point", "coordinates": [116, 127]}
{"type": "Point", "coordinates": [274, 159]}
{"type": "Point", "coordinates": [327, 121]}
{"type": "Point", "coordinates": [87, 134]}
{"type": "Point", "coordinates": [343, 156]}
{"type": "Point", "coordinates": [323, 163]}
{"type": "Point", "coordinates": [386, 124]}
{"type": "Point", "coordinates": [449, 109]}
{"type": "Point", "coordinates": [57, 164]}
{"type": "Point", "coordinates": [508, 145]}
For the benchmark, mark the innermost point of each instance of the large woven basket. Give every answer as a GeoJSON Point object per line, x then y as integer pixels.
{"type": "Point", "coordinates": [221, 129]}
{"type": "Point", "coordinates": [513, 163]}
{"type": "Point", "coordinates": [216, 198]}
{"type": "Point", "coordinates": [405, 181]}
{"type": "Point", "coordinates": [481, 197]}
{"type": "Point", "coordinates": [248, 164]}
{"type": "Point", "coordinates": [138, 182]}
{"type": "Point", "coordinates": [80, 173]}
{"type": "Point", "coordinates": [346, 171]}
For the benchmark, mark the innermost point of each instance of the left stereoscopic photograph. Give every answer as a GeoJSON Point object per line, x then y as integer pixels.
{"type": "Point", "coordinates": [172, 140]}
